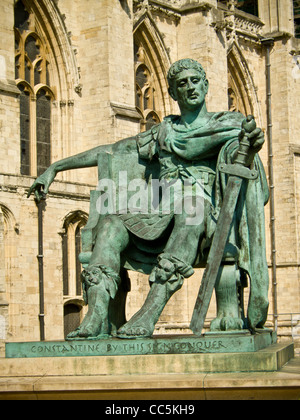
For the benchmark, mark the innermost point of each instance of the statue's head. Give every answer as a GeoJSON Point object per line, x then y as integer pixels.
{"type": "Point", "coordinates": [184, 64]}
{"type": "Point", "coordinates": [182, 73]}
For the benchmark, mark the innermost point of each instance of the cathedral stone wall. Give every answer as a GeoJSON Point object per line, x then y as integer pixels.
{"type": "Point", "coordinates": [92, 69]}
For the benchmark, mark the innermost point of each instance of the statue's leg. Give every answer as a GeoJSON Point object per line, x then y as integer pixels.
{"type": "Point", "coordinates": [101, 278]}
{"type": "Point", "coordinates": [174, 265]}
{"type": "Point", "coordinates": [229, 310]}
{"type": "Point", "coordinates": [112, 238]}
{"type": "Point", "coordinates": [143, 322]}
{"type": "Point", "coordinates": [188, 229]}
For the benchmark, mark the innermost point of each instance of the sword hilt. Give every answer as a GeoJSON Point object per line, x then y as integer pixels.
{"type": "Point", "coordinates": [248, 125]}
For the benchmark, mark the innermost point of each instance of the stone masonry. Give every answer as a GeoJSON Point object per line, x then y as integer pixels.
{"type": "Point", "coordinates": [90, 47]}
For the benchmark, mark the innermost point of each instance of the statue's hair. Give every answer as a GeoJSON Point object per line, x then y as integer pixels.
{"type": "Point", "coordinates": [185, 64]}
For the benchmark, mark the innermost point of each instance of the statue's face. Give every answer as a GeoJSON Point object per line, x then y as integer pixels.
{"type": "Point", "coordinates": [189, 90]}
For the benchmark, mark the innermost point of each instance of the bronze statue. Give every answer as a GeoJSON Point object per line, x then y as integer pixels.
{"type": "Point", "coordinates": [187, 148]}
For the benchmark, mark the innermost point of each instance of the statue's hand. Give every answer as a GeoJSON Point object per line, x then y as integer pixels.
{"type": "Point", "coordinates": [41, 185]}
{"type": "Point", "coordinates": [255, 138]}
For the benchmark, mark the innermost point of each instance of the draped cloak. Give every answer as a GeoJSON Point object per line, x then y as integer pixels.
{"type": "Point", "coordinates": [193, 153]}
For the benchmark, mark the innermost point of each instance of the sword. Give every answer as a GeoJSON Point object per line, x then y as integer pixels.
{"type": "Point", "coordinates": [237, 173]}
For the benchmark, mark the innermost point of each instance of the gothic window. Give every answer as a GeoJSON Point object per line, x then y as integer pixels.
{"type": "Point", "coordinates": [296, 4]}
{"type": "Point", "coordinates": [232, 100]}
{"type": "Point", "coordinates": [248, 6]}
{"type": "Point", "coordinates": [8, 253]}
{"type": "Point", "coordinates": [25, 130]}
{"type": "Point", "coordinates": [145, 90]}
{"type": "Point", "coordinates": [43, 130]}
{"type": "Point", "coordinates": [239, 97]}
{"type": "Point", "coordinates": [71, 248]}
{"type": "Point", "coordinates": [72, 291]}
{"type": "Point", "coordinates": [236, 102]}
{"type": "Point", "coordinates": [33, 80]}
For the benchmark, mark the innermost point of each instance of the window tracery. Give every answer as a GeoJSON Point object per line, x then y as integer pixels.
{"type": "Point", "coordinates": [33, 79]}
{"type": "Point", "coordinates": [145, 91]}
{"type": "Point", "coordinates": [71, 248]}
{"type": "Point", "coordinates": [71, 270]}
{"type": "Point", "coordinates": [239, 85]}
{"type": "Point", "coordinates": [248, 6]}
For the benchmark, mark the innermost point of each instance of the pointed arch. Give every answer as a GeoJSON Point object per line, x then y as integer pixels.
{"type": "Point", "coordinates": [46, 74]}
{"type": "Point", "coordinates": [49, 24]}
{"type": "Point", "coordinates": [70, 233]}
{"type": "Point", "coordinates": [74, 216]}
{"type": "Point", "coordinates": [242, 95]}
{"type": "Point", "coordinates": [152, 59]}
{"type": "Point", "coordinates": [9, 219]}
{"type": "Point", "coordinates": [9, 230]}
{"type": "Point", "coordinates": [71, 248]}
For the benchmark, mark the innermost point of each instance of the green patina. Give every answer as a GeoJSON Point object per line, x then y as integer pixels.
{"type": "Point", "coordinates": [239, 342]}
{"type": "Point", "coordinates": [191, 149]}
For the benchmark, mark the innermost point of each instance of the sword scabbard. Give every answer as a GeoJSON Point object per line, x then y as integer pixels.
{"type": "Point", "coordinates": [237, 172]}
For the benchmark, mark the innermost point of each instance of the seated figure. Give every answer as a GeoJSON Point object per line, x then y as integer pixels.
{"type": "Point", "coordinates": [186, 148]}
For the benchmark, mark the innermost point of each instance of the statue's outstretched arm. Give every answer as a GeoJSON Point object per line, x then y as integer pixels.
{"type": "Point", "coordinates": [87, 159]}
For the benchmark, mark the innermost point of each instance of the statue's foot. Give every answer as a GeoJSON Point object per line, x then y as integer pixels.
{"type": "Point", "coordinates": [142, 324]}
{"type": "Point", "coordinates": [134, 332]}
{"type": "Point", "coordinates": [226, 323]}
{"type": "Point", "coordinates": [77, 333]}
{"type": "Point", "coordinates": [88, 333]}
{"type": "Point", "coordinates": [80, 330]}
{"type": "Point", "coordinates": [137, 327]}
{"type": "Point", "coordinates": [92, 329]}
{"type": "Point", "coordinates": [72, 335]}
{"type": "Point", "coordinates": [95, 322]}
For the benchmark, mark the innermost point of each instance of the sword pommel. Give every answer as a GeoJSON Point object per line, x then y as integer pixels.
{"type": "Point", "coordinates": [249, 124]}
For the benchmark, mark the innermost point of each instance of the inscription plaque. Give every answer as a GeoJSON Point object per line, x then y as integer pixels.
{"type": "Point", "coordinates": [208, 343]}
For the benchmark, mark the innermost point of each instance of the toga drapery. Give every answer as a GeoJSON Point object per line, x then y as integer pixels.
{"type": "Point", "coordinates": [196, 154]}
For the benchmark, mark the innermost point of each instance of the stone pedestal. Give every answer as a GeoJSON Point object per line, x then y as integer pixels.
{"type": "Point", "coordinates": [213, 366]}
{"type": "Point", "coordinates": [269, 359]}
{"type": "Point", "coordinates": [222, 352]}
{"type": "Point", "coordinates": [264, 374]}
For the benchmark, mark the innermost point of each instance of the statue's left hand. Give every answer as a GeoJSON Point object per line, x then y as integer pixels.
{"type": "Point", "coordinates": [256, 138]}
{"type": "Point", "coordinates": [41, 185]}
